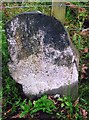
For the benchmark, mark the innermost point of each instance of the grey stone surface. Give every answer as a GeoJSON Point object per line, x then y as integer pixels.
{"type": "Point", "coordinates": [42, 57]}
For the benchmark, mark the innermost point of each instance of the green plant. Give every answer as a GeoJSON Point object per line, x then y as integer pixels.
{"type": "Point", "coordinates": [42, 104]}
{"type": "Point", "coordinates": [66, 102]}
{"type": "Point", "coordinates": [26, 108]}
{"type": "Point", "coordinates": [72, 111]}
{"type": "Point", "coordinates": [84, 103]}
{"type": "Point", "coordinates": [61, 116]}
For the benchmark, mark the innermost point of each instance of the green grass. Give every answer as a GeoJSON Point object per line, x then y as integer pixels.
{"type": "Point", "coordinates": [15, 102]}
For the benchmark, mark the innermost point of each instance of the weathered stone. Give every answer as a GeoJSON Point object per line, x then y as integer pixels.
{"type": "Point", "coordinates": [43, 58]}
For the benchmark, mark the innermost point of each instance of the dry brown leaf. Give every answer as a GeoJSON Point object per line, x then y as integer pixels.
{"type": "Point", "coordinates": [49, 97]}
{"type": "Point", "coordinates": [84, 68]}
{"type": "Point", "coordinates": [69, 116]}
{"type": "Point", "coordinates": [83, 112]}
{"type": "Point", "coordinates": [85, 32]}
{"type": "Point", "coordinates": [76, 102]}
{"type": "Point", "coordinates": [83, 75]}
{"type": "Point", "coordinates": [81, 9]}
{"type": "Point", "coordinates": [86, 50]}
{"type": "Point", "coordinates": [16, 116]}
{"type": "Point", "coordinates": [71, 5]}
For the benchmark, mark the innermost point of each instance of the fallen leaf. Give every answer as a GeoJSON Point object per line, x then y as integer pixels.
{"type": "Point", "coordinates": [85, 32]}
{"type": "Point", "coordinates": [50, 98]}
{"type": "Point", "coordinates": [83, 75]}
{"type": "Point", "coordinates": [69, 116]}
{"type": "Point", "coordinates": [86, 50]}
{"type": "Point", "coordinates": [71, 5]}
{"type": "Point", "coordinates": [76, 102]}
{"type": "Point", "coordinates": [16, 116]}
{"type": "Point", "coordinates": [84, 113]}
{"type": "Point", "coordinates": [81, 9]}
{"type": "Point", "coordinates": [84, 68]}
